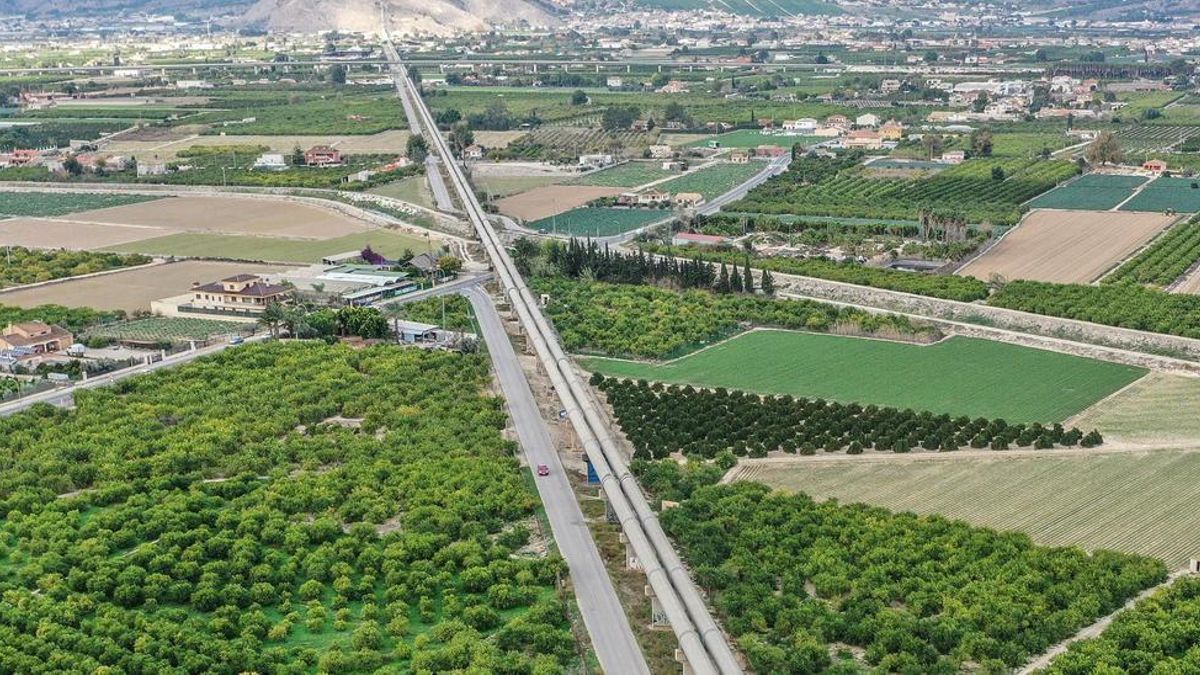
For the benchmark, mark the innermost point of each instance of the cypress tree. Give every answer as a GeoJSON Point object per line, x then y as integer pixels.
{"type": "Point", "coordinates": [768, 284]}
{"type": "Point", "coordinates": [735, 280]}
{"type": "Point", "coordinates": [748, 278]}
{"type": "Point", "coordinates": [723, 282]}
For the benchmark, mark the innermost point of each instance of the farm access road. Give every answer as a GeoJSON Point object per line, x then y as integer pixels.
{"type": "Point", "coordinates": [65, 397]}
{"type": "Point", "coordinates": [605, 619]}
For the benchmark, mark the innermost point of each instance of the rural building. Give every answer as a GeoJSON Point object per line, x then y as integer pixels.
{"type": "Point", "coordinates": [239, 294]}
{"type": "Point", "coordinates": [193, 84]}
{"type": "Point", "coordinates": [889, 87]}
{"type": "Point", "coordinates": [805, 126]}
{"type": "Point", "coordinates": [695, 239]}
{"type": "Point", "coordinates": [614, 82]}
{"type": "Point", "coordinates": [413, 332]}
{"type": "Point", "coordinates": [594, 161]}
{"type": "Point", "coordinates": [271, 162]}
{"type": "Point", "coordinates": [151, 169]}
{"type": "Point", "coordinates": [640, 125]}
{"type": "Point", "coordinates": [688, 199]}
{"type": "Point", "coordinates": [838, 121]}
{"type": "Point", "coordinates": [322, 155]}
{"type": "Point", "coordinates": [35, 337]}
{"type": "Point", "coordinates": [674, 87]}
{"type": "Point", "coordinates": [1155, 166]}
{"type": "Point", "coordinates": [673, 165]}
{"type": "Point", "coordinates": [769, 151]}
{"type": "Point", "coordinates": [425, 263]}
{"type": "Point", "coordinates": [954, 156]}
{"type": "Point", "coordinates": [739, 157]}
{"type": "Point", "coordinates": [867, 140]}
{"type": "Point", "coordinates": [661, 151]}
{"type": "Point", "coordinates": [891, 130]}
{"type": "Point", "coordinates": [341, 258]}
{"type": "Point", "coordinates": [647, 198]}
{"type": "Point", "coordinates": [473, 152]}
{"type": "Point", "coordinates": [867, 120]}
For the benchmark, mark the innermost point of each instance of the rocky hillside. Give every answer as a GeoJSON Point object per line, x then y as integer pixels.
{"type": "Point", "coordinates": [404, 16]}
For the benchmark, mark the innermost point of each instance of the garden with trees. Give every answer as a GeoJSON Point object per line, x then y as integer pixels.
{"type": "Point", "coordinates": [287, 507]}
{"type": "Point", "coordinates": [985, 190]}
{"type": "Point", "coordinates": [809, 587]}
{"type": "Point", "coordinates": [945, 286]}
{"type": "Point", "coordinates": [1159, 635]}
{"type": "Point", "coordinates": [1166, 259]}
{"type": "Point", "coordinates": [21, 265]}
{"type": "Point", "coordinates": [653, 322]}
{"type": "Point", "coordinates": [663, 419]}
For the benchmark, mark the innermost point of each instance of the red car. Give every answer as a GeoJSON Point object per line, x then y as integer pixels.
{"type": "Point", "coordinates": [543, 470]}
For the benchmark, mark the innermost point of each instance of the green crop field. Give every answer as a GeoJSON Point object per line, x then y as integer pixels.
{"type": "Point", "coordinates": [1094, 192]}
{"type": "Point", "coordinates": [959, 376]}
{"type": "Point", "coordinates": [1175, 194]}
{"type": "Point", "coordinates": [599, 222]}
{"type": "Point", "coordinates": [751, 138]}
{"type": "Point", "coordinates": [41, 204]}
{"type": "Point", "coordinates": [169, 329]}
{"type": "Point", "coordinates": [237, 247]}
{"type": "Point", "coordinates": [1135, 502]}
{"type": "Point", "coordinates": [631, 174]}
{"type": "Point", "coordinates": [713, 181]}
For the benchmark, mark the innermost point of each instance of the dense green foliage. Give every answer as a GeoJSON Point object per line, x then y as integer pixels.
{"type": "Point", "coordinates": [74, 319]}
{"type": "Point", "coordinates": [1165, 260]}
{"type": "Point", "coordinates": [647, 321]}
{"type": "Point", "coordinates": [1159, 635]}
{"type": "Point", "coordinates": [660, 420]}
{"type": "Point", "coordinates": [946, 286]}
{"type": "Point", "coordinates": [308, 114]}
{"type": "Point", "coordinates": [919, 594]}
{"type": "Point", "coordinates": [819, 186]}
{"type": "Point", "coordinates": [451, 312]}
{"type": "Point", "coordinates": [21, 265]}
{"type": "Point", "coordinates": [1122, 305]}
{"type": "Point", "coordinates": [285, 507]}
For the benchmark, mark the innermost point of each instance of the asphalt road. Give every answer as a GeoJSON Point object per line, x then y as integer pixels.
{"type": "Point", "coordinates": [437, 184]}
{"type": "Point", "coordinates": [616, 648]}
{"type": "Point", "coordinates": [774, 167]}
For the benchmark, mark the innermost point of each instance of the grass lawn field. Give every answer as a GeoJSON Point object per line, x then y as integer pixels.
{"type": "Point", "coordinates": [1139, 502]}
{"type": "Point", "coordinates": [713, 181]}
{"type": "Point", "coordinates": [1177, 194]}
{"type": "Point", "coordinates": [630, 174]}
{"type": "Point", "coordinates": [42, 204]}
{"type": "Point", "coordinates": [236, 247]}
{"type": "Point", "coordinates": [599, 222]}
{"type": "Point", "coordinates": [414, 189]}
{"type": "Point", "coordinates": [959, 376]}
{"type": "Point", "coordinates": [1092, 193]}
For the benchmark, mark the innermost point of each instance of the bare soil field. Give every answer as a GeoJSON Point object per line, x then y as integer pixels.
{"type": "Point", "coordinates": [391, 142]}
{"type": "Point", "coordinates": [70, 234]}
{"type": "Point", "coordinates": [513, 169]}
{"type": "Point", "coordinates": [1158, 410]}
{"type": "Point", "coordinates": [551, 200]}
{"type": "Point", "coordinates": [133, 289]}
{"type": "Point", "coordinates": [231, 215]}
{"type": "Point", "coordinates": [497, 139]}
{"type": "Point", "coordinates": [1067, 246]}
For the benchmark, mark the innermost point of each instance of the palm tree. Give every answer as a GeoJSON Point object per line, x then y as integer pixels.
{"type": "Point", "coordinates": [395, 312]}
{"type": "Point", "coordinates": [272, 316]}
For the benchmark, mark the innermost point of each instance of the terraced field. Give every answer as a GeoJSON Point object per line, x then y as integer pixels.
{"type": "Point", "coordinates": [959, 376]}
{"type": "Point", "coordinates": [1139, 502]}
